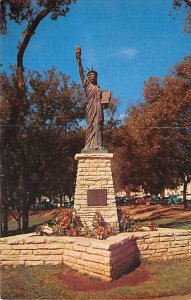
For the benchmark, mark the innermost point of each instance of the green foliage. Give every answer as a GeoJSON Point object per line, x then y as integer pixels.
{"type": "Point", "coordinates": [28, 10]}
{"type": "Point", "coordinates": [184, 6]}
{"type": "Point", "coordinates": [38, 157]}
{"type": "Point", "coordinates": [68, 223]}
{"type": "Point", "coordinates": [126, 223]}
{"type": "Point", "coordinates": [153, 146]}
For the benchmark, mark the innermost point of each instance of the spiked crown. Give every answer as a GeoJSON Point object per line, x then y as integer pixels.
{"type": "Point", "coordinates": [92, 71]}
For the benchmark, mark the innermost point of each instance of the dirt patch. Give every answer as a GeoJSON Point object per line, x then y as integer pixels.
{"type": "Point", "coordinates": [80, 282]}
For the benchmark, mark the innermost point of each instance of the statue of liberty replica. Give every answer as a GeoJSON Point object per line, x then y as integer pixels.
{"type": "Point", "coordinates": [96, 102]}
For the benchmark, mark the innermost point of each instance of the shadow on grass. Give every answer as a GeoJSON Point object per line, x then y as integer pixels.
{"type": "Point", "coordinates": [176, 224]}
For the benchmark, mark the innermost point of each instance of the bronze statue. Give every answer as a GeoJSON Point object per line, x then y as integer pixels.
{"type": "Point", "coordinates": [94, 107]}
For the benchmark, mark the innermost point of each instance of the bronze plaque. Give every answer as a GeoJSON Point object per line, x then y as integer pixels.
{"type": "Point", "coordinates": [97, 197]}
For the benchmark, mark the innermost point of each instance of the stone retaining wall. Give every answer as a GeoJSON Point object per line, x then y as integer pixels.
{"type": "Point", "coordinates": [106, 259]}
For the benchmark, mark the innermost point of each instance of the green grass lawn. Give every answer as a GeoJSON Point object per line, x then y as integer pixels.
{"type": "Point", "coordinates": [36, 218]}
{"type": "Point", "coordinates": [39, 217]}
{"type": "Point", "coordinates": [43, 282]}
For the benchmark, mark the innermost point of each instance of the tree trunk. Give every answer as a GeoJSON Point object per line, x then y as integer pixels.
{"type": "Point", "coordinates": [162, 194]}
{"type": "Point", "coordinates": [5, 220]}
{"type": "Point", "coordinates": [18, 221]}
{"type": "Point", "coordinates": [185, 183]}
{"type": "Point", "coordinates": [25, 219]}
{"type": "Point", "coordinates": [61, 196]}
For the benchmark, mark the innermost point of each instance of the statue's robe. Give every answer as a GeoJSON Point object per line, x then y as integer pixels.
{"type": "Point", "coordinates": [94, 116]}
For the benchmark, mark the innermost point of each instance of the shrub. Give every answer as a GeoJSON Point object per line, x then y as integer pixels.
{"type": "Point", "coordinates": [68, 223]}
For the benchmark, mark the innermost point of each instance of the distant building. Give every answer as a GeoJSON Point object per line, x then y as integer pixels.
{"type": "Point", "coordinates": [179, 191]}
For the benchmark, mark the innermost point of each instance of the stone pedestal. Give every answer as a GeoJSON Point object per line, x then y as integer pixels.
{"type": "Point", "coordinates": [94, 180]}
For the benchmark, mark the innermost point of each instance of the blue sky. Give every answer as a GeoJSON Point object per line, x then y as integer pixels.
{"type": "Point", "coordinates": [126, 41]}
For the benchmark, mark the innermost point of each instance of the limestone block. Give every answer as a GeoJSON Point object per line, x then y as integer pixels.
{"type": "Point", "coordinates": [182, 238]}
{"type": "Point", "coordinates": [106, 268]}
{"type": "Point", "coordinates": [79, 248]}
{"type": "Point", "coordinates": [140, 241]}
{"type": "Point", "coordinates": [167, 238]}
{"type": "Point", "coordinates": [25, 252]}
{"type": "Point", "coordinates": [51, 246]}
{"type": "Point", "coordinates": [98, 244]}
{"type": "Point", "coordinates": [34, 263]}
{"type": "Point", "coordinates": [164, 232]}
{"type": "Point", "coordinates": [15, 241]}
{"type": "Point", "coordinates": [94, 258]}
{"type": "Point", "coordinates": [5, 247]}
{"type": "Point", "coordinates": [25, 246]}
{"type": "Point", "coordinates": [152, 240]}
{"type": "Point", "coordinates": [10, 257]}
{"type": "Point", "coordinates": [179, 243]}
{"type": "Point", "coordinates": [72, 253]}
{"type": "Point", "coordinates": [182, 232]}
{"type": "Point", "coordinates": [181, 250]}
{"type": "Point", "coordinates": [10, 252]}
{"type": "Point", "coordinates": [161, 250]}
{"type": "Point", "coordinates": [48, 251]}
{"type": "Point", "coordinates": [92, 265]}
{"type": "Point", "coordinates": [69, 259]}
{"type": "Point", "coordinates": [52, 262]}
{"type": "Point", "coordinates": [83, 241]}
{"type": "Point", "coordinates": [52, 257]}
{"type": "Point", "coordinates": [82, 262]}
{"type": "Point", "coordinates": [161, 245]}
{"type": "Point", "coordinates": [59, 239]}
{"type": "Point", "coordinates": [35, 240]}
{"type": "Point", "coordinates": [13, 263]}
{"type": "Point", "coordinates": [98, 252]}
{"type": "Point", "coordinates": [143, 247]}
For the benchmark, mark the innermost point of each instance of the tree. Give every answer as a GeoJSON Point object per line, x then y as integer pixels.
{"type": "Point", "coordinates": [111, 122]}
{"type": "Point", "coordinates": [186, 6]}
{"type": "Point", "coordinates": [32, 12]}
{"type": "Point", "coordinates": [156, 138]}
{"type": "Point", "coordinates": [41, 158]}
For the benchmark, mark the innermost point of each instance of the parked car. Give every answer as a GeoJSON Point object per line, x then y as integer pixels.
{"type": "Point", "coordinates": [121, 201]}
{"type": "Point", "coordinates": [155, 200]}
{"type": "Point", "coordinates": [68, 204]}
{"type": "Point", "coordinates": [137, 200]}
{"type": "Point", "coordinates": [147, 200]}
{"type": "Point", "coordinates": [172, 200]}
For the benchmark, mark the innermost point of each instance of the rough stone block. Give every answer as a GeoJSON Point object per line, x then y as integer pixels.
{"type": "Point", "coordinates": [167, 238]}
{"type": "Point", "coordinates": [35, 240]}
{"type": "Point", "coordinates": [25, 252]}
{"type": "Point", "coordinates": [34, 263]}
{"type": "Point", "coordinates": [10, 252]}
{"type": "Point", "coordinates": [13, 263]}
{"type": "Point", "coordinates": [69, 259]}
{"type": "Point", "coordinates": [98, 252]}
{"type": "Point", "coordinates": [161, 245]}
{"type": "Point", "coordinates": [5, 247]}
{"type": "Point", "coordinates": [25, 246]}
{"type": "Point", "coordinates": [179, 243]}
{"type": "Point", "coordinates": [48, 251]}
{"type": "Point", "coordinates": [51, 246]}
{"type": "Point", "coordinates": [143, 247]}
{"type": "Point", "coordinates": [94, 258]}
